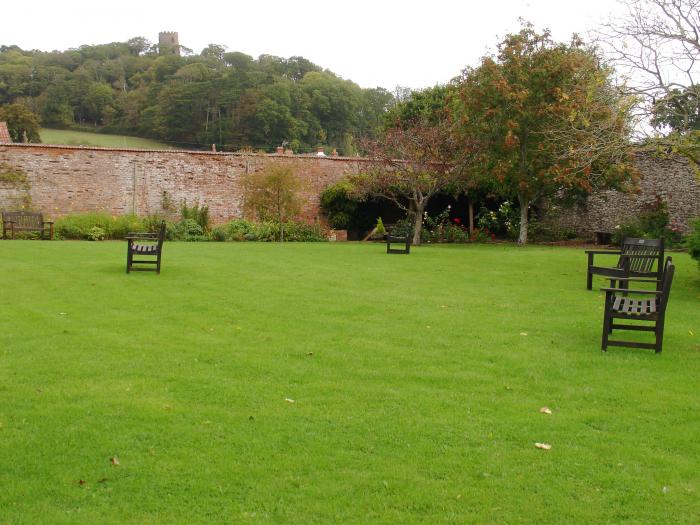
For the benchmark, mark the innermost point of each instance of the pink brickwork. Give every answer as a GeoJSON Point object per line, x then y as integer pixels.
{"type": "Point", "coordinates": [66, 179]}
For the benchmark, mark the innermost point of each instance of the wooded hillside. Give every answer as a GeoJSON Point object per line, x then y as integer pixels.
{"type": "Point", "coordinates": [225, 98]}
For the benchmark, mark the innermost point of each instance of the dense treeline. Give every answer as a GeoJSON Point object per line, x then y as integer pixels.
{"type": "Point", "coordinates": [217, 97]}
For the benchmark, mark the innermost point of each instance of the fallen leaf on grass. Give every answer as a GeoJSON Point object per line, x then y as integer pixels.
{"type": "Point", "coordinates": [543, 446]}
{"type": "Point", "coordinates": [545, 410]}
{"type": "Point", "coordinates": [114, 460]}
{"type": "Point", "coordinates": [310, 353]}
{"type": "Point", "coordinates": [691, 332]}
{"type": "Point", "coordinates": [81, 482]}
{"type": "Point", "coordinates": [289, 400]}
{"type": "Point", "coordinates": [523, 333]}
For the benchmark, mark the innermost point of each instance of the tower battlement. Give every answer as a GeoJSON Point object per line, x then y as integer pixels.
{"type": "Point", "coordinates": [168, 43]}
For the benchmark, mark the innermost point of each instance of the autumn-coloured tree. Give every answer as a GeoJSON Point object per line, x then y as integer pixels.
{"type": "Point", "coordinates": [542, 117]}
{"type": "Point", "coordinates": [271, 195]}
{"type": "Point", "coordinates": [409, 165]}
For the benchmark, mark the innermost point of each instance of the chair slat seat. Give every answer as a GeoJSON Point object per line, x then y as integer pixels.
{"type": "Point", "coordinates": [145, 248]}
{"type": "Point", "coordinates": [634, 306]}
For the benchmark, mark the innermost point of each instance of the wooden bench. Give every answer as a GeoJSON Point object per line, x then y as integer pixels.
{"type": "Point", "coordinates": [404, 241]}
{"type": "Point", "coordinates": [25, 221]}
{"type": "Point", "coordinates": [636, 258]}
{"type": "Point", "coordinates": [145, 245]}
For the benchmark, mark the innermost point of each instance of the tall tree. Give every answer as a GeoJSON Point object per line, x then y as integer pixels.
{"type": "Point", "coordinates": [408, 165]}
{"type": "Point", "coordinates": [426, 104]}
{"type": "Point", "coordinates": [542, 117]}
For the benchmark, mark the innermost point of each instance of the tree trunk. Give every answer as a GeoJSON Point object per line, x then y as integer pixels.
{"type": "Point", "coordinates": [471, 217]}
{"type": "Point", "coordinates": [418, 222]}
{"type": "Point", "coordinates": [279, 215]}
{"type": "Point", "coordinates": [524, 205]}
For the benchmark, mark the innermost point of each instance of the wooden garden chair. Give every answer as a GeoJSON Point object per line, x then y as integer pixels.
{"type": "Point", "coordinates": [142, 245]}
{"type": "Point", "coordinates": [403, 241]}
{"type": "Point", "coordinates": [636, 258]}
{"type": "Point", "coordinates": [645, 306]}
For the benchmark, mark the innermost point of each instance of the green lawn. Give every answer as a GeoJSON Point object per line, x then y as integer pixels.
{"type": "Point", "coordinates": [416, 380]}
{"type": "Point", "coordinates": [86, 138]}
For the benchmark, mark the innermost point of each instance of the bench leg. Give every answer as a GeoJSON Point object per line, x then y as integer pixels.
{"type": "Point", "coordinates": [607, 326]}
{"type": "Point", "coordinates": [659, 333]}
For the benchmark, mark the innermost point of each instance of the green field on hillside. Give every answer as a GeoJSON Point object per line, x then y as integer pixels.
{"type": "Point", "coordinates": [86, 138]}
{"type": "Point", "coordinates": [333, 383]}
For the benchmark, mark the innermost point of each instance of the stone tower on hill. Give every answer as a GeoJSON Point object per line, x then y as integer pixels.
{"type": "Point", "coordinates": [168, 43]}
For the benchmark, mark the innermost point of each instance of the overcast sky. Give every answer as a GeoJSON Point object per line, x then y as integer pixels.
{"type": "Point", "coordinates": [374, 43]}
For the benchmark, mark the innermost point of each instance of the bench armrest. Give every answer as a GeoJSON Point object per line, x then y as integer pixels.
{"type": "Point", "coordinates": [604, 252]}
{"type": "Point", "coordinates": [137, 235]}
{"type": "Point", "coordinates": [141, 238]}
{"type": "Point", "coordinates": [638, 279]}
{"type": "Point", "coordinates": [622, 290]}
{"type": "Point", "coordinates": [48, 222]}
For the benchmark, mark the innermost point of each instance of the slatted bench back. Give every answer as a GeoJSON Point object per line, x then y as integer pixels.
{"type": "Point", "coordinates": [24, 220]}
{"type": "Point", "coordinates": [653, 249]}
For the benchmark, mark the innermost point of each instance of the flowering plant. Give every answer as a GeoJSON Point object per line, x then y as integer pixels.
{"type": "Point", "coordinates": [443, 229]}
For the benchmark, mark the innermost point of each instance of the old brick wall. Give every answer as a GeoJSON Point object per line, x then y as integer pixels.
{"type": "Point", "coordinates": [65, 179]}
{"type": "Point", "coordinates": [670, 179]}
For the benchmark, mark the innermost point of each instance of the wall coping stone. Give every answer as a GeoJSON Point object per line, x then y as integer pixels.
{"type": "Point", "coordinates": [181, 151]}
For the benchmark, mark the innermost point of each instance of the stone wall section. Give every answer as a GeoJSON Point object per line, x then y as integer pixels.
{"type": "Point", "coordinates": [67, 179]}
{"type": "Point", "coordinates": [670, 179]}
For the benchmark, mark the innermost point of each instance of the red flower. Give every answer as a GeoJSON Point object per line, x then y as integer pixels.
{"type": "Point", "coordinates": [456, 220]}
